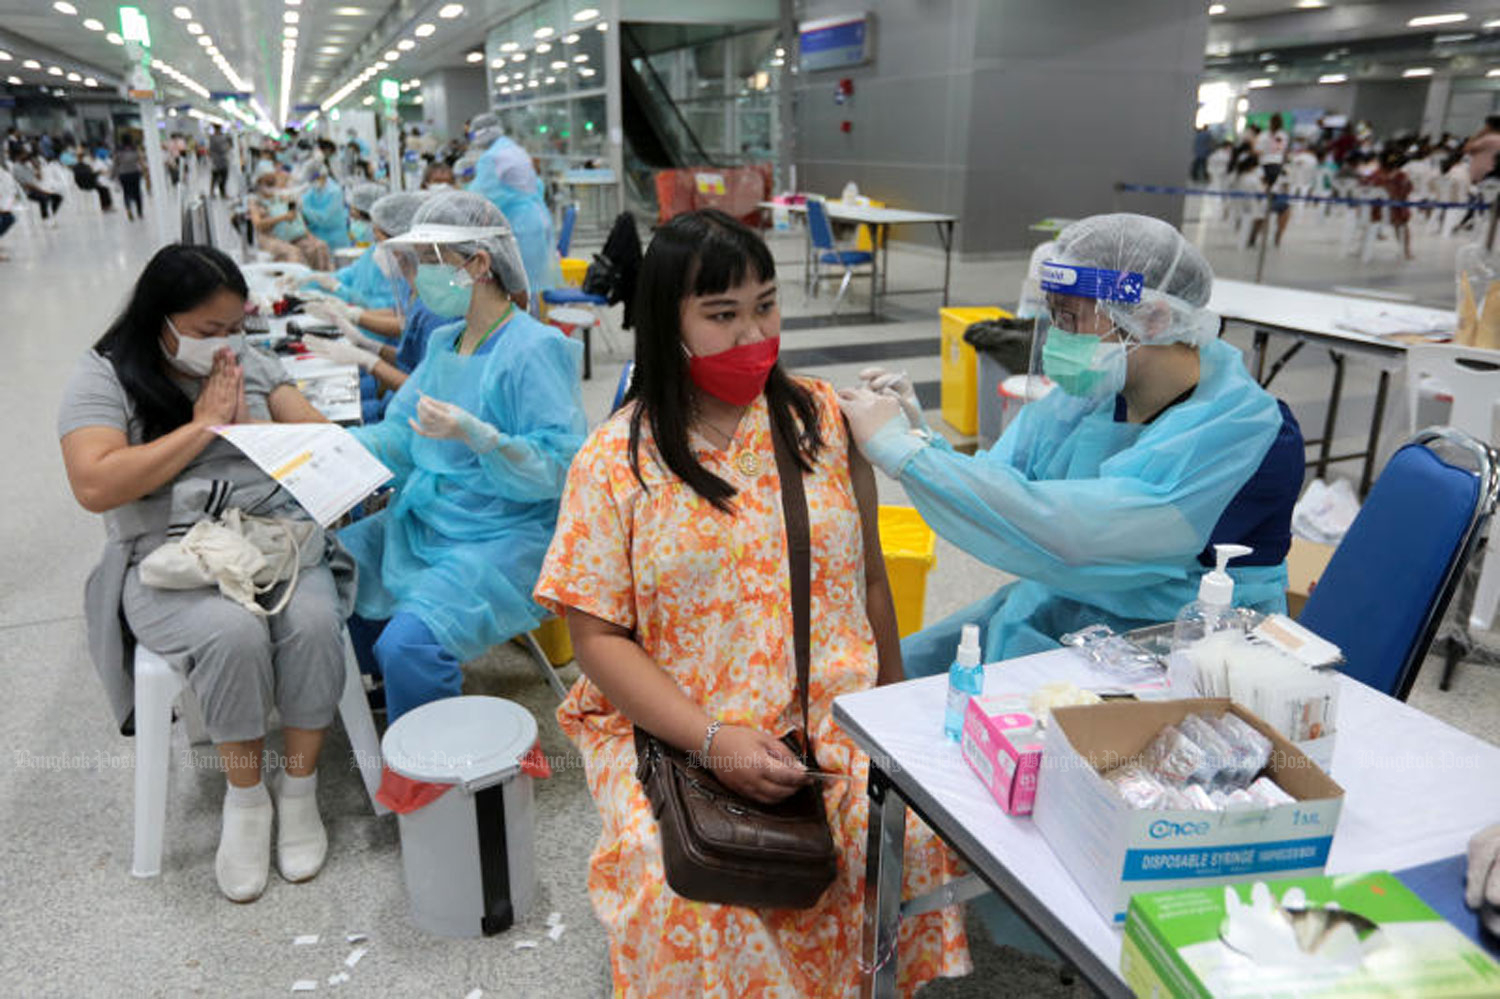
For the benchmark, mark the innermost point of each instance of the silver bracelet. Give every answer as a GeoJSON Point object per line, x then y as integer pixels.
{"type": "Point", "coordinates": [708, 739]}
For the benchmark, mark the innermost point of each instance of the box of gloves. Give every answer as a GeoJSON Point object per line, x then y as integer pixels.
{"type": "Point", "coordinates": [1303, 938]}
{"type": "Point", "coordinates": [1140, 796]}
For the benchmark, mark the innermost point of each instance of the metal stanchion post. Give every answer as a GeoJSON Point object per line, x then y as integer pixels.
{"type": "Point", "coordinates": [1489, 241]}
{"type": "Point", "coordinates": [1265, 239]}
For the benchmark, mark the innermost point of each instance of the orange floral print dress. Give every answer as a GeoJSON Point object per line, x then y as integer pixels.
{"type": "Point", "coordinates": [707, 596]}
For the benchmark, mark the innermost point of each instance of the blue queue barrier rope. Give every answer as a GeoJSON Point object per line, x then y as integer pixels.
{"type": "Point", "coordinates": [1317, 199]}
{"type": "Point", "coordinates": [1478, 205]}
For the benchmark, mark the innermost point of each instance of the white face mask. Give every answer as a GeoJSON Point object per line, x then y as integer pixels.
{"type": "Point", "coordinates": [195, 356]}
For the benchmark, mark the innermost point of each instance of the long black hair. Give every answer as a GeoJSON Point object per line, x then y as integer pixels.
{"type": "Point", "coordinates": [177, 279]}
{"type": "Point", "coordinates": [701, 253]}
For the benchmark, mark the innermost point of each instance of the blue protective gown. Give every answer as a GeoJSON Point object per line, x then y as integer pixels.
{"type": "Point", "coordinates": [462, 543]}
{"type": "Point", "coordinates": [1102, 520]}
{"type": "Point", "coordinates": [364, 284]}
{"type": "Point", "coordinates": [504, 175]}
{"type": "Point", "coordinates": [326, 216]}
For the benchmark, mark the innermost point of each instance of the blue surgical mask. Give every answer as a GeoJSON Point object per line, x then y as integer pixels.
{"type": "Point", "coordinates": [444, 289]}
{"type": "Point", "coordinates": [363, 232]}
{"type": "Point", "coordinates": [1083, 364]}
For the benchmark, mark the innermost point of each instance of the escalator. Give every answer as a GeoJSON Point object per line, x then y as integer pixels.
{"type": "Point", "coordinates": [657, 136]}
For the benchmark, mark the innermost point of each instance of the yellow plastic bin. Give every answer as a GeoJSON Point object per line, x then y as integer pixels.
{"type": "Point", "coordinates": [960, 384]}
{"type": "Point", "coordinates": [552, 636]}
{"type": "Point", "coordinates": [910, 550]}
{"type": "Point", "coordinates": [573, 270]}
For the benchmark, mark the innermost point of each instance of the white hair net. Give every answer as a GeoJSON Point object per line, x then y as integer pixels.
{"type": "Point", "coordinates": [393, 213]}
{"type": "Point", "coordinates": [467, 210]}
{"type": "Point", "coordinates": [485, 129]}
{"type": "Point", "coordinates": [364, 196]}
{"type": "Point", "coordinates": [1176, 280]}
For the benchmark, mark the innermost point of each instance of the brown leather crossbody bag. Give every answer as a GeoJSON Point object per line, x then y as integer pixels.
{"type": "Point", "coordinates": [719, 846]}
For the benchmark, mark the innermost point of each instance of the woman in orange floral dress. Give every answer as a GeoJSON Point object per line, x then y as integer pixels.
{"type": "Point", "coordinates": [669, 563]}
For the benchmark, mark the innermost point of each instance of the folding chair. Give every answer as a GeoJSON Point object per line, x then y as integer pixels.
{"type": "Point", "coordinates": [1385, 590]}
{"type": "Point", "coordinates": [825, 251]}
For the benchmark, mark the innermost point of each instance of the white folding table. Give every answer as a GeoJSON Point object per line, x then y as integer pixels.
{"type": "Point", "coordinates": [880, 221]}
{"type": "Point", "coordinates": [1315, 317]}
{"type": "Point", "coordinates": [1415, 790]}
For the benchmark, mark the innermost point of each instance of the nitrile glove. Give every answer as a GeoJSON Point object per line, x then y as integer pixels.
{"type": "Point", "coordinates": [881, 429]}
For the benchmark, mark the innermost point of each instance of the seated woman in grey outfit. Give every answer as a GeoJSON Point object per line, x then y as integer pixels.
{"type": "Point", "coordinates": [135, 425]}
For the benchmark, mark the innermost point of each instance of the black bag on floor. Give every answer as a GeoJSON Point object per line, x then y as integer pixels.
{"type": "Point", "coordinates": [1006, 340]}
{"type": "Point", "coordinates": [613, 271]}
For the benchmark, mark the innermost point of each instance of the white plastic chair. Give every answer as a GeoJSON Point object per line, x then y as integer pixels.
{"type": "Point", "coordinates": [1471, 376]}
{"type": "Point", "coordinates": [157, 686]}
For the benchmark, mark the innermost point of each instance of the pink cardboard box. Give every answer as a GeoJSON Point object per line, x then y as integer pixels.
{"type": "Point", "coordinates": [1002, 742]}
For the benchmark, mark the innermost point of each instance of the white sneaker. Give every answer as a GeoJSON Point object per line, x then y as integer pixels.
{"type": "Point", "coordinates": [301, 840]}
{"type": "Point", "coordinates": [243, 862]}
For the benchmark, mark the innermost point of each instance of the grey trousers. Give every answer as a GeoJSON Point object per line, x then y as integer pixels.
{"type": "Point", "coordinates": [240, 665]}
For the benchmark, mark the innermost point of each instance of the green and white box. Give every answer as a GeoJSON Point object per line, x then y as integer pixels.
{"type": "Point", "coordinates": [1357, 936]}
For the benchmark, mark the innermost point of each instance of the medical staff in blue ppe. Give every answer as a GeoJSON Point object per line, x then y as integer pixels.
{"type": "Point", "coordinates": [323, 207]}
{"type": "Point", "coordinates": [480, 438]}
{"type": "Point", "coordinates": [385, 365]}
{"type": "Point", "coordinates": [505, 176]}
{"type": "Point", "coordinates": [361, 283]}
{"type": "Point", "coordinates": [1105, 496]}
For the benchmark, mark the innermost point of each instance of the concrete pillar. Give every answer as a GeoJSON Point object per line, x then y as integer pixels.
{"type": "Point", "coordinates": [452, 96]}
{"type": "Point", "coordinates": [1435, 110]}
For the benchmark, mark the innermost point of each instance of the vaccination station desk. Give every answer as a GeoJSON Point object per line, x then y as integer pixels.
{"type": "Point", "coordinates": [880, 221]}
{"type": "Point", "coordinates": [332, 388]}
{"type": "Point", "coordinates": [1321, 319]}
{"type": "Point", "coordinates": [1415, 790]}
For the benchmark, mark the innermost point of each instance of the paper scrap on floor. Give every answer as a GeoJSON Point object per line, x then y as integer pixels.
{"type": "Point", "coordinates": [305, 940]}
{"type": "Point", "coordinates": [320, 464]}
{"type": "Point", "coordinates": [354, 956]}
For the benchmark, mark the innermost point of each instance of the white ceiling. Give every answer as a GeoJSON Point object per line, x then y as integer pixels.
{"type": "Point", "coordinates": [335, 40]}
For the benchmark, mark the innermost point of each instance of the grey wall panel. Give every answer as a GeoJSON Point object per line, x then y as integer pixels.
{"type": "Point", "coordinates": [1003, 111]}
{"type": "Point", "coordinates": [1391, 106]}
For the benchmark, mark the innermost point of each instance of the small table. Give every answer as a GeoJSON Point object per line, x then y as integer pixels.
{"type": "Point", "coordinates": [332, 388]}
{"type": "Point", "coordinates": [1415, 790]}
{"type": "Point", "coordinates": [880, 220]}
{"type": "Point", "coordinates": [1313, 317]}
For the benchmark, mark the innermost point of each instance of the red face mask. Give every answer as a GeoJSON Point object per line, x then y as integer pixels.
{"type": "Point", "coordinates": [736, 375]}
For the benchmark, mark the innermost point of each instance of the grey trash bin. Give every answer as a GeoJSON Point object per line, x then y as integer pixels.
{"type": "Point", "coordinates": [1003, 347]}
{"type": "Point", "coordinates": [469, 856]}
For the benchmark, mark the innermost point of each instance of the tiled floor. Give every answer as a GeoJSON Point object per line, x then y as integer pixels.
{"type": "Point", "coordinates": [77, 924]}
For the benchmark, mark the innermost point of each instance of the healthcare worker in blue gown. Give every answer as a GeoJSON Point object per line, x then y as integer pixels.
{"type": "Point", "coordinates": [323, 207]}
{"type": "Point", "coordinates": [505, 176]}
{"type": "Point", "coordinates": [1106, 496]}
{"type": "Point", "coordinates": [480, 438]}
{"type": "Point", "coordinates": [361, 284]}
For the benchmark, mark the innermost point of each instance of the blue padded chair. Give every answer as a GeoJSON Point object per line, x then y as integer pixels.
{"type": "Point", "coordinates": [626, 376]}
{"type": "Point", "coordinates": [565, 231]}
{"type": "Point", "coordinates": [1388, 585]}
{"type": "Point", "coordinates": [826, 251]}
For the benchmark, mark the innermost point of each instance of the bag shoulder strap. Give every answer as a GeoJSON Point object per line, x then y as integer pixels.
{"type": "Point", "coordinates": [799, 561]}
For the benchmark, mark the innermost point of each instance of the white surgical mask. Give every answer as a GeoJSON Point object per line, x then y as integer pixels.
{"type": "Point", "coordinates": [195, 356]}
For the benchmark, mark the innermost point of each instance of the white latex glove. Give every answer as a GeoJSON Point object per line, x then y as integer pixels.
{"type": "Point", "coordinates": [322, 280]}
{"type": "Point", "coordinates": [342, 352]}
{"type": "Point", "coordinates": [445, 421]}
{"type": "Point", "coordinates": [332, 309]}
{"type": "Point", "coordinates": [897, 384]}
{"type": "Point", "coordinates": [868, 413]}
{"type": "Point", "coordinates": [341, 318]}
{"type": "Point", "coordinates": [1484, 876]}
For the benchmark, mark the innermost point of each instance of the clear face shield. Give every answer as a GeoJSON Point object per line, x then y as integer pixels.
{"type": "Point", "coordinates": [1081, 346]}
{"type": "Point", "coordinates": [432, 264]}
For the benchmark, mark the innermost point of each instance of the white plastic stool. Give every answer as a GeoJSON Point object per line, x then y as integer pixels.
{"type": "Point", "coordinates": [157, 686]}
